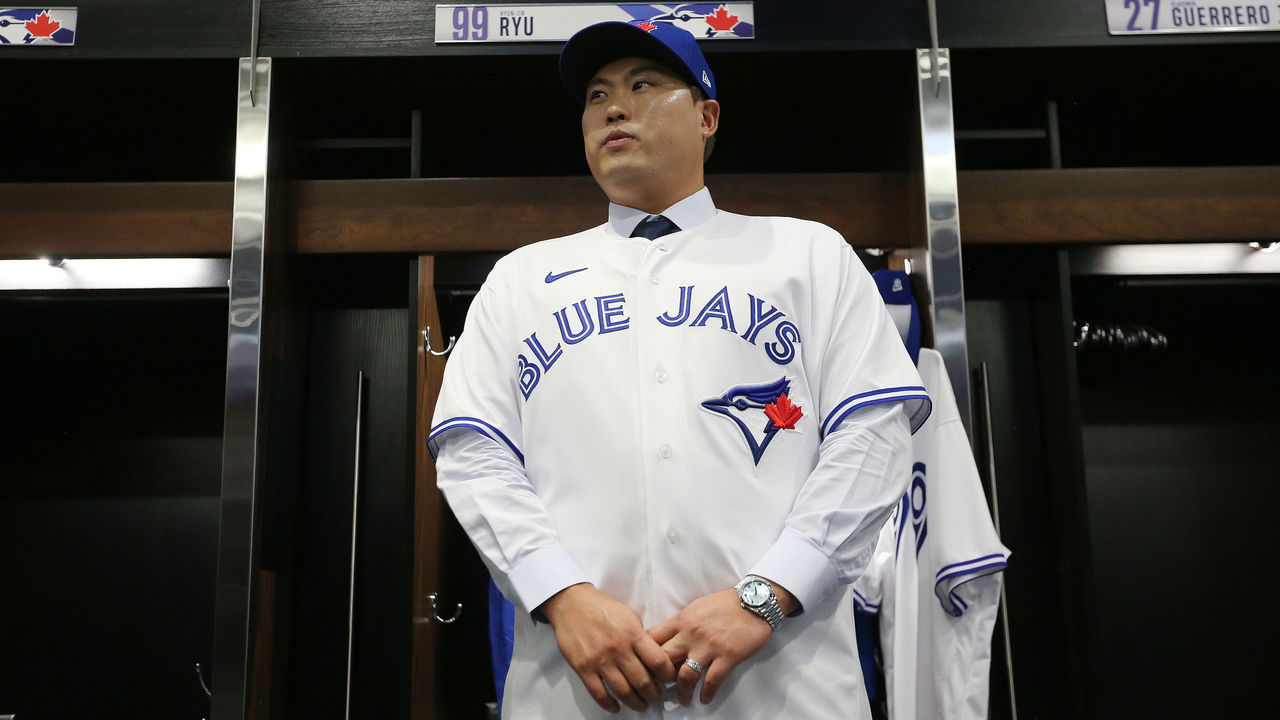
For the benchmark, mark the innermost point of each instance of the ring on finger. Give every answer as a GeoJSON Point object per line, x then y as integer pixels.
{"type": "Point", "coordinates": [693, 665]}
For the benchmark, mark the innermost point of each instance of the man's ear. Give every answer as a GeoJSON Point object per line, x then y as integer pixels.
{"type": "Point", "coordinates": [710, 113]}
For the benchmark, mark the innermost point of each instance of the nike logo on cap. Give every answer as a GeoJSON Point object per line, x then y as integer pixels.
{"type": "Point", "coordinates": [552, 277]}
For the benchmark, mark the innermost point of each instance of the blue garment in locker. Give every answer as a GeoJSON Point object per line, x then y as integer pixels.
{"type": "Point", "coordinates": [895, 289]}
{"type": "Point", "coordinates": [502, 637]}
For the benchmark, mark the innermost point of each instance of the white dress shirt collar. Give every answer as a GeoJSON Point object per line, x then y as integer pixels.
{"type": "Point", "coordinates": [686, 214]}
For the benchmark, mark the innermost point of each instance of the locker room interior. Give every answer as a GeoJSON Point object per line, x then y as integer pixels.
{"type": "Point", "coordinates": [1119, 204]}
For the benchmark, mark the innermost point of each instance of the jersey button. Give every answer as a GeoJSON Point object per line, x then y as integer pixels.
{"type": "Point", "coordinates": [655, 279]}
{"type": "Point", "coordinates": [660, 376]}
{"type": "Point", "coordinates": [662, 248]}
{"type": "Point", "coordinates": [665, 451]}
{"type": "Point", "coordinates": [673, 536]}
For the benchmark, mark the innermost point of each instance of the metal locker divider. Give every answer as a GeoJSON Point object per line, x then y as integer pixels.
{"type": "Point", "coordinates": [240, 468]}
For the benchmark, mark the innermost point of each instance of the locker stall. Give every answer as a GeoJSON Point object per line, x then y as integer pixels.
{"type": "Point", "coordinates": [236, 475]}
{"type": "Point", "coordinates": [1092, 460]}
{"type": "Point", "coordinates": [111, 440]}
{"type": "Point", "coordinates": [1174, 423]}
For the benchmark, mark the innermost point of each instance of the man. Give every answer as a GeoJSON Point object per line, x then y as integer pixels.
{"type": "Point", "coordinates": [665, 433]}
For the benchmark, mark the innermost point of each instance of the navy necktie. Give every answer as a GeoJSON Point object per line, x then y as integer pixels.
{"type": "Point", "coordinates": [654, 227]}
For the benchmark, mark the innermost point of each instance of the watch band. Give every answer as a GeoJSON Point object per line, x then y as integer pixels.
{"type": "Point", "coordinates": [771, 612]}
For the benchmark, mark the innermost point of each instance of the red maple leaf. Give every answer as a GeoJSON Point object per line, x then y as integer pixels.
{"type": "Point", "coordinates": [783, 414]}
{"type": "Point", "coordinates": [721, 19]}
{"type": "Point", "coordinates": [42, 26]}
{"type": "Point", "coordinates": [647, 26]}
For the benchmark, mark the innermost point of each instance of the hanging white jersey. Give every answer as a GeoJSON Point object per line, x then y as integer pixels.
{"type": "Point", "coordinates": [935, 577]}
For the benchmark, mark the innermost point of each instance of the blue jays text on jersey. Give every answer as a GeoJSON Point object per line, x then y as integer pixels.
{"type": "Point", "coordinates": [603, 314]}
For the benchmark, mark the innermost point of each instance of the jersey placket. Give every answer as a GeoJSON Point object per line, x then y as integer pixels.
{"type": "Point", "coordinates": [664, 428]}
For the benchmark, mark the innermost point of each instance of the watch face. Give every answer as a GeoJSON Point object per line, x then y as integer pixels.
{"type": "Point", "coordinates": [755, 593]}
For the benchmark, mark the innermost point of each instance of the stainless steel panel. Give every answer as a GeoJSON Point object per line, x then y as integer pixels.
{"type": "Point", "coordinates": [944, 272]}
{"type": "Point", "coordinates": [114, 274]}
{"type": "Point", "coordinates": [355, 524]}
{"type": "Point", "coordinates": [1179, 259]}
{"type": "Point", "coordinates": [236, 541]}
{"type": "Point", "coordinates": [984, 394]}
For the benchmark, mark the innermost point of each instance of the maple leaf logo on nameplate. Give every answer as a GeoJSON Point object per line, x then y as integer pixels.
{"type": "Point", "coordinates": [721, 20]}
{"type": "Point", "coordinates": [783, 414]}
{"type": "Point", "coordinates": [42, 26]}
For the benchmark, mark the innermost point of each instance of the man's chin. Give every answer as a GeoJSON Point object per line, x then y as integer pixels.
{"type": "Point", "coordinates": [619, 165]}
{"type": "Point", "coordinates": [623, 177]}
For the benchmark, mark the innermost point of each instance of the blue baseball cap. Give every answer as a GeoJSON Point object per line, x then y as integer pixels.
{"type": "Point", "coordinates": [598, 45]}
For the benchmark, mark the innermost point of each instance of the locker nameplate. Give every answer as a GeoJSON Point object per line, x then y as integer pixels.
{"type": "Point", "coordinates": [1141, 17]}
{"type": "Point", "coordinates": [557, 22]}
{"type": "Point", "coordinates": [24, 27]}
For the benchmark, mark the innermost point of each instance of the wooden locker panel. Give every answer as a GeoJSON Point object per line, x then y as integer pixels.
{"type": "Point", "coordinates": [452, 671]}
{"type": "Point", "coordinates": [427, 501]}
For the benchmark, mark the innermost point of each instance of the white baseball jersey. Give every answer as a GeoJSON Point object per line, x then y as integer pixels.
{"type": "Point", "coordinates": [654, 412]}
{"type": "Point", "coordinates": [935, 576]}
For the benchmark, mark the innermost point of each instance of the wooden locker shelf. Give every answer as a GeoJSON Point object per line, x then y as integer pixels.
{"type": "Point", "coordinates": [426, 216]}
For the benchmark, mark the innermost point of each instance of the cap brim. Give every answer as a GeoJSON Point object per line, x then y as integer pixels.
{"type": "Point", "coordinates": [598, 45]}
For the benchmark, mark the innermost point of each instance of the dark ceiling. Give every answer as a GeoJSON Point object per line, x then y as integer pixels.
{"type": "Point", "coordinates": [174, 120]}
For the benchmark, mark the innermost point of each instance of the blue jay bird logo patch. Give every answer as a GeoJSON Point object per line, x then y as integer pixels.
{"type": "Point", "coordinates": [759, 411]}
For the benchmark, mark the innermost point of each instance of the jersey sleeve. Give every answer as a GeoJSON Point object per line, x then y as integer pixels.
{"type": "Point", "coordinates": [868, 589]}
{"type": "Point", "coordinates": [834, 525]}
{"type": "Point", "coordinates": [962, 652]}
{"type": "Point", "coordinates": [476, 440]}
{"type": "Point", "coordinates": [870, 399]}
{"type": "Point", "coordinates": [864, 362]}
{"type": "Point", "coordinates": [480, 380]}
{"type": "Point", "coordinates": [965, 545]}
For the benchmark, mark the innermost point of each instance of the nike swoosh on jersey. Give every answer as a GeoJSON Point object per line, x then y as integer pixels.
{"type": "Point", "coordinates": [552, 277]}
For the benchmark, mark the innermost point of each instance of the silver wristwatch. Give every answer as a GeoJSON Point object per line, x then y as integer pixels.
{"type": "Point", "coordinates": [756, 595]}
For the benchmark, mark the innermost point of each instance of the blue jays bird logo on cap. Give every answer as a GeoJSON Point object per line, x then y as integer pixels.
{"type": "Point", "coordinates": [759, 411]}
{"type": "Point", "coordinates": [666, 33]}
